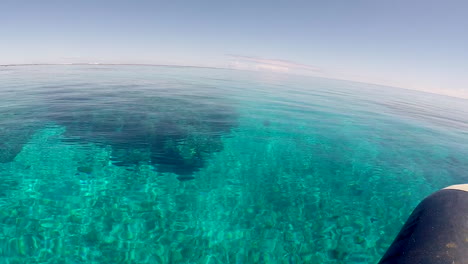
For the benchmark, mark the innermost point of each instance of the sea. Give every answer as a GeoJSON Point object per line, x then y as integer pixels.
{"type": "Point", "coordinates": [165, 164]}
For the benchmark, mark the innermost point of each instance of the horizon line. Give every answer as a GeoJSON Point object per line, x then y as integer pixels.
{"type": "Point", "coordinates": [109, 64]}
{"type": "Point", "coordinates": [219, 68]}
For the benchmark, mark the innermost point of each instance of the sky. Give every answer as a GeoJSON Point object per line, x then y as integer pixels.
{"type": "Point", "coordinates": [411, 44]}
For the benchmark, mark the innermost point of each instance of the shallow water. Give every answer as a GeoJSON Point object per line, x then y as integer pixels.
{"type": "Point", "coordinates": [129, 164]}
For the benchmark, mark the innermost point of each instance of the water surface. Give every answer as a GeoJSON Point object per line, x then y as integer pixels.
{"type": "Point", "coordinates": [129, 164]}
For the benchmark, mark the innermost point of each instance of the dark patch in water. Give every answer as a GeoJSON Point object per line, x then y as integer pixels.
{"type": "Point", "coordinates": [175, 135]}
{"type": "Point", "coordinates": [168, 128]}
{"type": "Point", "coordinates": [185, 178]}
{"type": "Point", "coordinates": [13, 136]}
{"type": "Point", "coordinates": [85, 169]}
{"type": "Point", "coordinates": [337, 254]}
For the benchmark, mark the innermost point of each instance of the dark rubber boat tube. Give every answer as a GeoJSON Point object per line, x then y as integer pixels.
{"type": "Point", "coordinates": [436, 232]}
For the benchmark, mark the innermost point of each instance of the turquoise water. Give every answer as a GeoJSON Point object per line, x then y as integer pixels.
{"type": "Point", "coordinates": [128, 164]}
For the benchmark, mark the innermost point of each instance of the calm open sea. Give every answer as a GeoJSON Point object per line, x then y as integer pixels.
{"type": "Point", "coordinates": [134, 164]}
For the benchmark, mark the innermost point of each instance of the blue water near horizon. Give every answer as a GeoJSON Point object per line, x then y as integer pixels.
{"type": "Point", "coordinates": [132, 164]}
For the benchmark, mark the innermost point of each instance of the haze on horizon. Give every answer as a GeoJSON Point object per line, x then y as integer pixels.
{"type": "Point", "coordinates": [416, 44]}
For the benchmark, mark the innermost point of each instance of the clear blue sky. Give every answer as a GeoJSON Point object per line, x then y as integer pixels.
{"type": "Point", "coordinates": [411, 44]}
